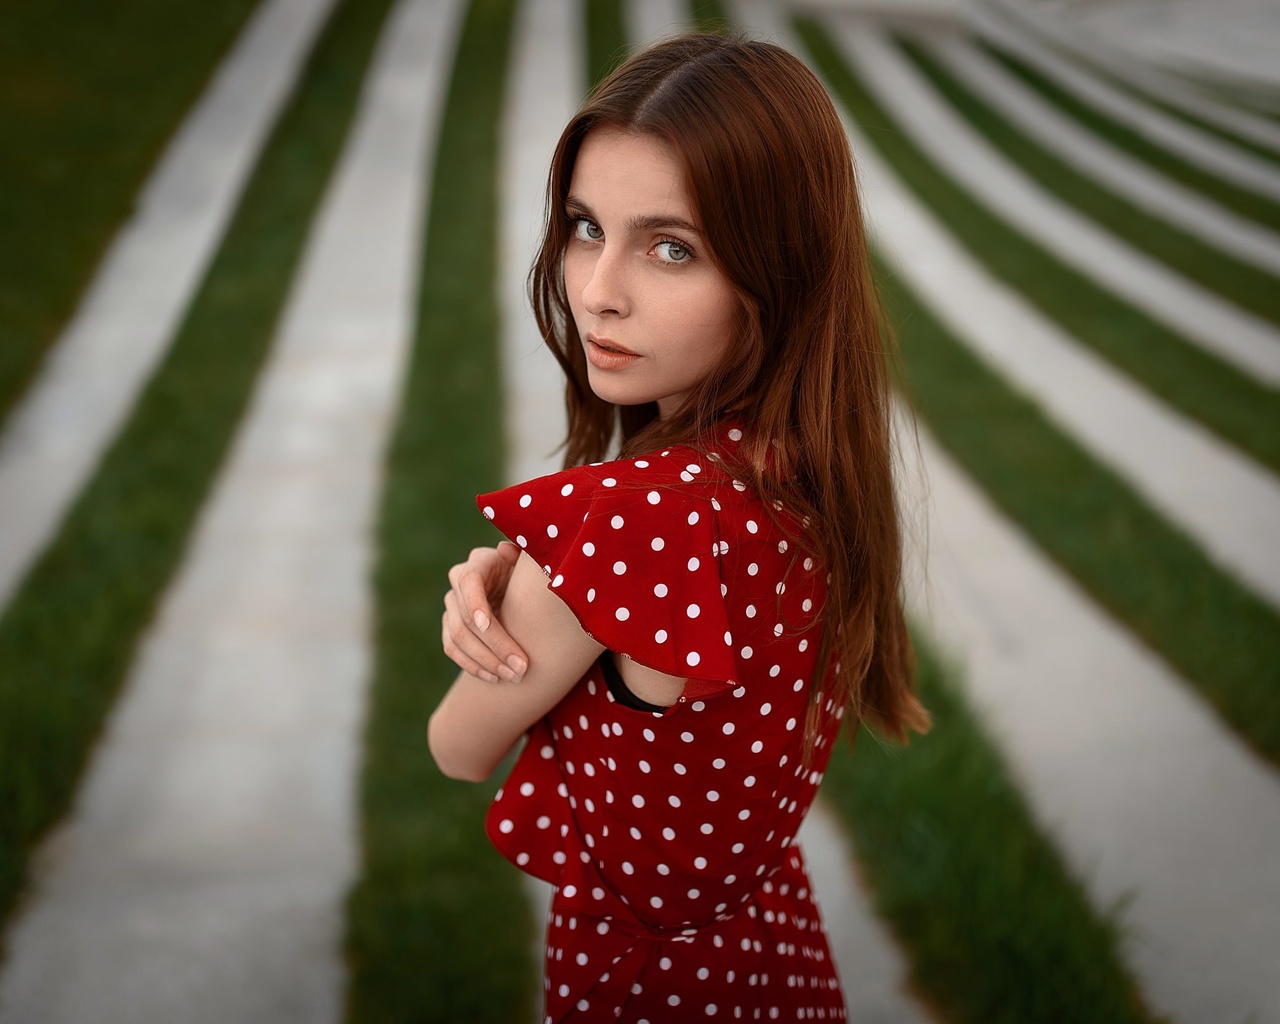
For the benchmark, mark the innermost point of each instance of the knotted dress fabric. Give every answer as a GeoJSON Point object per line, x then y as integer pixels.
{"type": "Point", "coordinates": [669, 838]}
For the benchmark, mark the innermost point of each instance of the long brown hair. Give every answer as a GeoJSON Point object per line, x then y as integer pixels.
{"type": "Point", "coordinates": [771, 178]}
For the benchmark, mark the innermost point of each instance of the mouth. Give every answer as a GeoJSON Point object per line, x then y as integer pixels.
{"type": "Point", "coordinates": [609, 346]}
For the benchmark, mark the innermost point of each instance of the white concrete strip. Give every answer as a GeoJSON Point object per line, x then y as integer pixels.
{"type": "Point", "coordinates": [1139, 183]}
{"type": "Point", "coordinates": [1204, 318]}
{"type": "Point", "coordinates": [1226, 502]}
{"type": "Point", "coordinates": [126, 319]}
{"type": "Point", "coordinates": [203, 873]}
{"type": "Point", "coordinates": [1209, 152]}
{"type": "Point", "coordinates": [1142, 787]}
{"type": "Point", "coordinates": [1099, 50]}
{"type": "Point", "coordinates": [872, 969]}
{"type": "Point", "coordinates": [651, 20]}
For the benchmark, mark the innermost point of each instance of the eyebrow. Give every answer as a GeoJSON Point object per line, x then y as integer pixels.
{"type": "Point", "coordinates": [645, 222]}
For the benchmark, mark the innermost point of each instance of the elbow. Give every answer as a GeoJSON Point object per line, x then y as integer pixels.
{"type": "Point", "coordinates": [452, 761]}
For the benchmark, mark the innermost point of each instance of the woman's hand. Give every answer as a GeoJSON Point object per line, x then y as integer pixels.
{"type": "Point", "coordinates": [473, 638]}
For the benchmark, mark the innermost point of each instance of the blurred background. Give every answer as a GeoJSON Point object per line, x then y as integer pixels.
{"type": "Point", "coordinates": [263, 337]}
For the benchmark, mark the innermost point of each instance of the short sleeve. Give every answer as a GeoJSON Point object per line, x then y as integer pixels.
{"type": "Point", "coordinates": [631, 547]}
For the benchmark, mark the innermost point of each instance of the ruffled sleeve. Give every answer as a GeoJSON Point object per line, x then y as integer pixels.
{"type": "Point", "coordinates": [632, 548]}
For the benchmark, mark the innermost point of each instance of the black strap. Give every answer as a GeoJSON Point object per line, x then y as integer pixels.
{"type": "Point", "coordinates": [619, 688]}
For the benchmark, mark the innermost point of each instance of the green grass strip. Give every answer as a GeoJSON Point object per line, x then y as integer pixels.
{"type": "Point", "coordinates": [89, 95]}
{"type": "Point", "coordinates": [439, 925]}
{"type": "Point", "coordinates": [1151, 576]}
{"type": "Point", "coordinates": [998, 930]}
{"type": "Point", "coordinates": [708, 16]}
{"type": "Point", "coordinates": [1243, 201]}
{"type": "Point", "coordinates": [1224, 399]}
{"type": "Point", "coordinates": [606, 38]}
{"type": "Point", "coordinates": [1238, 281]}
{"type": "Point", "coordinates": [69, 636]}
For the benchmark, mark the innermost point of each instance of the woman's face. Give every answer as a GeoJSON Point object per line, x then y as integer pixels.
{"type": "Point", "coordinates": [653, 313]}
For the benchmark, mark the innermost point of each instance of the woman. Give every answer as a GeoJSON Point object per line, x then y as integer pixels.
{"type": "Point", "coordinates": [687, 624]}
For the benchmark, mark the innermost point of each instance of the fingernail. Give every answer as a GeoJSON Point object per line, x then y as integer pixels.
{"type": "Point", "coordinates": [518, 665]}
{"type": "Point", "coordinates": [487, 676]}
{"type": "Point", "coordinates": [506, 673]}
{"type": "Point", "coordinates": [482, 623]}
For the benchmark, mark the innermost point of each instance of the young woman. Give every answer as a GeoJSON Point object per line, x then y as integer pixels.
{"type": "Point", "coordinates": [679, 631]}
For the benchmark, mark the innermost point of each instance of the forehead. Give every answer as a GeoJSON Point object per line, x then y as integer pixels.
{"type": "Point", "coordinates": [628, 173]}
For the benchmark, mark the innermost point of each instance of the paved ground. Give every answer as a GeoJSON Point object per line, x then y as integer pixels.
{"type": "Point", "coordinates": [202, 872]}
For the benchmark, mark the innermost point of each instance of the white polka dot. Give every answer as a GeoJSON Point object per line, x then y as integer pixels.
{"type": "Point", "coordinates": [765, 708]}
{"type": "Point", "coordinates": [622, 614]}
{"type": "Point", "coordinates": [727, 728]}
{"type": "Point", "coordinates": [526, 500]}
{"type": "Point", "coordinates": [728, 638]}
{"type": "Point", "coordinates": [665, 963]}
{"type": "Point", "coordinates": [693, 467]}
{"type": "Point", "coordinates": [654, 497]}
{"type": "Point", "coordinates": [553, 530]}
{"type": "Point", "coordinates": [668, 834]}
{"type": "Point", "coordinates": [751, 611]}
{"type": "Point", "coordinates": [694, 894]}
{"type": "Point", "coordinates": [609, 481]}
{"type": "Point", "coordinates": [692, 658]}
{"type": "Point", "coordinates": [506, 825]}
{"type": "Point", "coordinates": [799, 685]}
{"type": "Point", "coordinates": [699, 862]}
{"type": "Point", "coordinates": [749, 781]}
{"type": "Point", "coordinates": [522, 859]}
{"type": "Point", "coordinates": [673, 1000]}
{"type": "Point", "coordinates": [703, 973]}
{"type": "Point", "coordinates": [752, 527]}
{"type": "Point", "coordinates": [588, 549]}
{"type": "Point", "coordinates": [547, 752]}
{"type": "Point", "coordinates": [591, 595]}
{"type": "Point", "coordinates": [570, 891]}
{"type": "Point", "coordinates": [679, 768]}
{"type": "Point", "coordinates": [719, 762]}
{"type": "Point", "coordinates": [777, 629]}
{"type": "Point", "coordinates": [660, 636]}
{"type": "Point", "coordinates": [693, 564]}
{"type": "Point", "coordinates": [706, 828]}
{"type": "Point", "coordinates": [673, 800]}
{"type": "Point", "coordinates": [739, 847]}
{"type": "Point", "coordinates": [660, 590]}
{"type": "Point", "coordinates": [756, 747]}
{"type": "Point", "coordinates": [747, 652]}
{"type": "Point", "coordinates": [791, 724]}
{"type": "Point", "coordinates": [543, 821]}
{"type": "Point", "coordinates": [698, 705]}
{"type": "Point", "coordinates": [712, 795]}
{"type": "Point", "coordinates": [642, 464]}
{"type": "Point", "coordinates": [628, 868]}
{"type": "Point", "coordinates": [808, 563]}
{"type": "Point", "coordinates": [693, 518]}
{"type": "Point", "coordinates": [657, 544]}
{"type": "Point", "coordinates": [619, 568]}
{"type": "Point", "coordinates": [782, 547]}
{"type": "Point", "coordinates": [637, 800]}
{"type": "Point", "coordinates": [488, 511]}
{"type": "Point", "coordinates": [738, 485]}
{"type": "Point", "coordinates": [735, 434]}
{"type": "Point", "coordinates": [686, 476]}
{"type": "Point", "coordinates": [617, 522]}
{"type": "Point", "coordinates": [558, 580]}
{"type": "Point", "coordinates": [686, 737]}
{"type": "Point", "coordinates": [648, 734]}
{"type": "Point", "coordinates": [520, 539]}
{"type": "Point", "coordinates": [693, 611]}
{"type": "Point", "coordinates": [526, 789]}
{"type": "Point", "coordinates": [752, 569]}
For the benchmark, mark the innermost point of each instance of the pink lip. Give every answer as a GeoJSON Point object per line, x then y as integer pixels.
{"type": "Point", "coordinates": [607, 344]}
{"type": "Point", "coordinates": [614, 357]}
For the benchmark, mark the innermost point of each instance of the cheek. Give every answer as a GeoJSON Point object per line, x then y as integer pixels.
{"type": "Point", "coordinates": [575, 274]}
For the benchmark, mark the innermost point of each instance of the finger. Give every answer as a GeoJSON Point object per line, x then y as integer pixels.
{"type": "Point", "coordinates": [460, 658]}
{"type": "Point", "coordinates": [476, 610]}
{"type": "Point", "coordinates": [509, 552]}
{"type": "Point", "coordinates": [464, 640]}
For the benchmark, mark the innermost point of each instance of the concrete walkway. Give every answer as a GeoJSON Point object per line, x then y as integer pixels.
{"type": "Point", "coordinates": [1137, 182]}
{"type": "Point", "coordinates": [90, 379]}
{"type": "Point", "coordinates": [1209, 152]}
{"type": "Point", "coordinates": [1098, 50]}
{"type": "Point", "coordinates": [203, 871]}
{"type": "Point", "coordinates": [1204, 318]}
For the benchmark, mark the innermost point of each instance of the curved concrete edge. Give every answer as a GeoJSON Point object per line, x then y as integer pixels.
{"type": "Point", "coordinates": [1226, 502]}
{"type": "Point", "coordinates": [1203, 317]}
{"type": "Point", "coordinates": [1136, 68]}
{"type": "Point", "coordinates": [1209, 152]}
{"type": "Point", "coordinates": [126, 319]}
{"type": "Point", "coordinates": [1137, 182]}
{"type": "Point", "coordinates": [1149, 796]}
{"type": "Point", "coordinates": [203, 872]}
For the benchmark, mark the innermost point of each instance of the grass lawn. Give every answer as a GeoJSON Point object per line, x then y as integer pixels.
{"type": "Point", "coordinates": [89, 96]}
{"type": "Point", "coordinates": [68, 638]}
{"type": "Point", "coordinates": [997, 929]}
{"type": "Point", "coordinates": [1224, 399]}
{"type": "Point", "coordinates": [439, 928]}
{"type": "Point", "coordinates": [606, 32]}
{"type": "Point", "coordinates": [1236, 280]}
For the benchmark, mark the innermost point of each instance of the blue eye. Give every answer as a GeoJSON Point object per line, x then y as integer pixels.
{"type": "Point", "coordinates": [673, 252]}
{"type": "Point", "coordinates": [587, 231]}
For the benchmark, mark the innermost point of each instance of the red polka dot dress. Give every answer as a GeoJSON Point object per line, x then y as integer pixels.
{"type": "Point", "coordinates": [669, 836]}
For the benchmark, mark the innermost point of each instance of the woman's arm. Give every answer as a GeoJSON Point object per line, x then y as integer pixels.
{"type": "Point", "coordinates": [478, 722]}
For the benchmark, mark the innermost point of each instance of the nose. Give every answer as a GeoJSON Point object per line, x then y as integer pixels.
{"type": "Point", "coordinates": [605, 291]}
